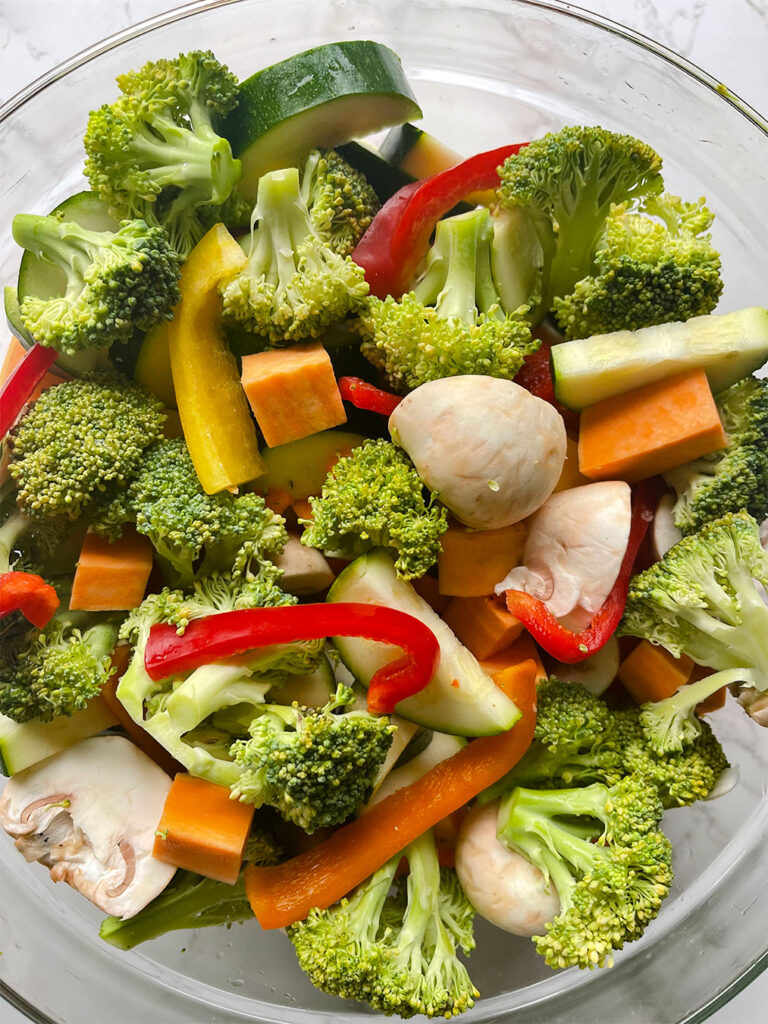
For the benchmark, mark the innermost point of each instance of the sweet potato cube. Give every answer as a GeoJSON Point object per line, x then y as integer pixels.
{"type": "Point", "coordinates": [472, 562]}
{"type": "Point", "coordinates": [651, 673]}
{"type": "Point", "coordinates": [111, 576]}
{"type": "Point", "coordinates": [483, 624]}
{"type": "Point", "coordinates": [523, 649]}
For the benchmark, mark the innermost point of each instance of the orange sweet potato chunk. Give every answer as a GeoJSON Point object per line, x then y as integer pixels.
{"type": "Point", "coordinates": [111, 576]}
{"type": "Point", "coordinates": [482, 624]}
{"type": "Point", "coordinates": [472, 562]}
{"type": "Point", "coordinates": [651, 673]}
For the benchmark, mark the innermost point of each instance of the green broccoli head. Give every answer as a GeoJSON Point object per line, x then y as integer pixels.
{"type": "Point", "coordinates": [646, 271]}
{"type": "Point", "coordinates": [314, 766]}
{"type": "Point", "coordinates": [56, 670]}
{"type": "Point", "coordinates": [115, 282]}
{"type": "Point", "coordinates": [453, 322]}
{"type": "Point", "coordinates": [737, 476]}
{"type": "Point", "coordinates": [193, 533]}
{"type": "Point", "coordinates": [374, 498]}
{"type": "Point", "coordinates": [602, 849]}
{"type": "Point", "coordinates": [397, 952]}
{"type": "Point", "coordinates": [567, 182]}
{"type": "Point", "coordinates": [341, 203]}
{"type": "Point", "coordinates": [154, 153]}
{"type": "Point", "coordinates": [294, 284]}
{"type": "Point", "coordinates": [80, 439]}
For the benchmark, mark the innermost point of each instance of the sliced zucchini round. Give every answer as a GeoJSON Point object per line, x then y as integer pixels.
{"type": "Point", "coordinates": [300, 467]}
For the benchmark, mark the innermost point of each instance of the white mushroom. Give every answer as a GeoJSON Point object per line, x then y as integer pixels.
{"type": "Point", "coordinates": [491, 450]}
{"type": "Point", "coordinates": [305, 570]}
{"type": "Point", "coordinates": [89, 814]}
{"type": "Point", "coordinates": [574, 549]}
{"type": "Point", "coordinates": [664, 533]}
{"type": "Point", "coordinates": [501, 885]}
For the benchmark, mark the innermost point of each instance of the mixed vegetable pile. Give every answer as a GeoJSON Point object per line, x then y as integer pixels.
{"type": "Point", "coordinates": [453, 659]}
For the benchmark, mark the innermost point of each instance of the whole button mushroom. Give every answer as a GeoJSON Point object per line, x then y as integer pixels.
{"type": "Point", "coordinates": [492, 451]}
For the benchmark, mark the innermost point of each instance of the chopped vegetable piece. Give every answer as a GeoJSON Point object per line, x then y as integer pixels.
{"type": "Point", "coordinates": [203, 829]}
{"type": "Point", "coordinates": [153, 365]}
{"type": "Point", "coordinates": [570, 476]}
{"type": "Point", "coordinates": [292, 392]}
{"type": "Point", "coordinates": [482, 624]}
{"type": "Point", "coordinates": [365, 396]}
{"type": "Point", "coordinates": [650, 430]}
{"type": "Point", "coordinates": [649, 673]}
{"type": "Point", "coordinates": [28, 593]}
{"type": "Point", "coordinates": [472, 562]}
{"type": "Point", "coordinates": [138, 735]}
{"type": "Point", "coordinates": [521, 650]}
{"type": "Point", "coordinates": [21, 381]}
{"type": "Point", "coordinates": [111, 576]}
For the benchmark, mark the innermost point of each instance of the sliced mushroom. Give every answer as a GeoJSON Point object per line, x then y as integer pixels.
{"type": "Point", "coordinates": [89, 814]}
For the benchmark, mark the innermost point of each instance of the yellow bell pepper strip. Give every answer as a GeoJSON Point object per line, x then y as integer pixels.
{"type": "Point", "coordinates": [153, 365]}
{"type": "Point", "coordinates": [217, 423]}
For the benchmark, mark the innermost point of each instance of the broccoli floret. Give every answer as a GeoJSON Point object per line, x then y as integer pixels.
{"type": "Point", "coordinates": [453, 322]}
{"type": "Point", "coordinates": [78, 440]}
{"type": "Point", "coordinates": [154, 153]}
{"type": "Point", "coordinates": [56, 670]}
{"type": "Point", "coordinates": [193, 533]}
{"type": "Point", "coordinates": [602, 849]}
{"type": "Point", "coordinates": [114, 282]}
{"type": "Point", "coordinates": [395, 952]}
{"type": "Point", "coordinates": [737, 476]}
{"type": "Point", "coordinates": [700, 600]}
{"type": "Point", "coordinates": [193, 901]}
{"type": "Point", "coordinates": [294, 285]}
{"type": "Point", "coordinates": [375, 498]}
{"type": "Point", "coordinates": [316, 767]}
{"type": "Point", "coordinates": [646, 271]}
{"type": "Point", "coordinates": [341, 203]}
{"type": "Point", "coordinates": [566, 182]}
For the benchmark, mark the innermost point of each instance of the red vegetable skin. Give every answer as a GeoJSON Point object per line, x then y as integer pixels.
{"type": "Point", "coordinates": [535, 375]}
{"type": "Point", "coordinates": [234, 633]}
{"type": "Point", "coordinates": [398, 237]}
{"type": "Point", "coordinates": [21, 382]}
{"type": "Point", "coordinates": [562, 643]}
{"type": "Point", "coordinates": [365, 396]}
{"type": "Point", "coordinates": [29, 594]}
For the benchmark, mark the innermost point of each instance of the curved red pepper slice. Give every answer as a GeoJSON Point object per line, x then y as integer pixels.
{"type": "Point", "coordinates": [28, 593]}
{"type": "Point", "coordinates": [233, 633]}
{"type": "Point", "coordinates": [398, 237]}
{"type": "Point", "coordinates": [365, 396]}
{"type": "Point", "coordinates": [562, 643]}
{"type": "Point", "coordinates": [21, 382]}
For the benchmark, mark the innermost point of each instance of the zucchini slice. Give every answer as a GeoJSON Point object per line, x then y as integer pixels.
{"type": "Point", "coordinates": [23, 744]}
{"type": "Point", "coordinates": [300, 467]}
{"type": "Point", "coordinates": [421, 155]}
{"type": "Point", "coordinates": [321, 97]}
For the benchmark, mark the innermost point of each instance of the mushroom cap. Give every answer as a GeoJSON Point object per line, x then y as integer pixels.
{"type": "Point", "coordinates": [89, 814]}
{"type": "Point", "coordinates": [501, 885]}
{"type": "Point", "coordinates": [492, 451]}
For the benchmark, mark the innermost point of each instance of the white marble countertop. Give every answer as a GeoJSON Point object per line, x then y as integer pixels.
{"type": "Point", "coordinates": [727, 38]}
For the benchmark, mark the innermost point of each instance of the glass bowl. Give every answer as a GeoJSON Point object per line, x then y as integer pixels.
{"type": "Point", "coordinates": [485, 73]}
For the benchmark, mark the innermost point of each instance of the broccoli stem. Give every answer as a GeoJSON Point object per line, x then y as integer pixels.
{"type": "Point", "coordinates": [71, 248]}
{"type": "Point", "coordinates": [197, 161]}
{"type": "Point", "coordinates": [10, 533]}
{"type": "Point", "coordinates": [423, 878]}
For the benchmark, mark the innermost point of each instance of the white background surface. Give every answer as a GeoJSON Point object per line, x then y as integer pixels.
{"type": "Point", "coordinates": [728, 38]}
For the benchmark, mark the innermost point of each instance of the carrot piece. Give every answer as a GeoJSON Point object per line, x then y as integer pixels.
{"type": "Point", "coordinates": [427, 588]}
{"type": "Point", "coordinates": [472, 562]}
{"type": "Point", "coordinates": [319, 877]}
{"type": "Point", "coordinates": [111, 576]}
{"type": "Point", "coordinates": [650, 430]}
{"type": "Point", "coordinates": [482, 624]}
{"type": "Point", "coordinates": [302, 508]}
{"type": "Point", "coordinates": [522, 650]}
{"type": "Point", "coordinates": [293, 392]}
{"type": "Point", "coordinates": [13, 356]}
{"type": "Point", "coordinates": [570, 476]}
{"type": "Point", "coordinates": [651, 673]}
{"type": "Point", "coordinates": [203, 829]}
{"type": "Point", "coordinates": [278, 501]}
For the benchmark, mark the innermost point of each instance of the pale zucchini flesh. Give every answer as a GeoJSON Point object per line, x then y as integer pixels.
{"type": "Point", "coordinates": [300, 467]}
{"type": "Point", "coordinates": [23, 744]}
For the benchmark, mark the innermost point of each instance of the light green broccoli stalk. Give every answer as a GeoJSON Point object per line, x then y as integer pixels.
{"type": "Point", "coordinates": [341, 203]}
{"type": "Point", "coordinates": [736, 477]}
{"type": "Point", "coordinates": [452, 323]}
{"type": "Point", "coordinates": [294, 284]}
{"type": "Point", "coordinates": [374, 498]}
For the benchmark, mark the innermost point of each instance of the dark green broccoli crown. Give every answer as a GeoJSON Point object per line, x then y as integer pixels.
{"type": "Point", "coordinates": [154, 154]}
{"type": "Point", "coordinates": [294, 284]}
{"type": "Point", "coordinates": [341, 202]}
{"type": "Point", "coordinates": [314, 766]}
{"type": "Point", "coordinates": [116, 282]}
{"type": "Point", "coordinates": [56, 670]}
{"type": "Point", "coordinates": [736, 477]}
{"type": "Point", "coordinates": [193, 532]}
{"type": "Point", "coordinates": [80, 438]}
{"type": "Point", "coordinates": [568, 181]}
{"type": "Point", "coordinates": [375, 498]}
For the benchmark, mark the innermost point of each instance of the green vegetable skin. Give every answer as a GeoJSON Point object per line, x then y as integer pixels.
{"type": "Point", "coordinates": [300, 467]}
{"type": "Point", "coordinates": [23, 744]}
{"type": "Point", "coordinates": [326, 95]}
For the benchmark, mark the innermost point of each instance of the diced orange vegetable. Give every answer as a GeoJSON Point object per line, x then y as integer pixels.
{"type": "Point", "coordinates": [523, 649]}
{"type": "Point", "coordinates": [13, 356]}
{"type": "Point", "coordinates": [483, 624]}
{"type": "Point", "coordinates": [570, 476]}
{"type": "Point", "coordinates": [302, 508]}
{"type": "Point", "coordinates": [111, 576]}
{"type": "Point", "coordinates": [202, 829]}
{"type": "Point", "coordinates": [651, 673]}
{"type": "Point", "coordinates": [472, 562]}
{"type": "Point", "coordinates": [278, 501]}
{"type": "Point", "coordinates": [650, 430]}
{"type": "Point", "coordinates": [293, 392]}
{"type": "Point", "coordinates": [427, 589]}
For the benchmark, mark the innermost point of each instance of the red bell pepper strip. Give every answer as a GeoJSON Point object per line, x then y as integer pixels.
{"type": "Point", "coordinates": [365, 396]}
{"type": "Point", "coordinates": [535, 375]}
{"type": "Point", "coordinates": [233, 633]}
{"type": "Point", "coordinates": [21, 382]}
{"type": "Point", "coordinates": [398, 237]}
{"type": "Point", "coordinates": [29, 594]}
{"type": "Point", "coordinates": [562, 643]}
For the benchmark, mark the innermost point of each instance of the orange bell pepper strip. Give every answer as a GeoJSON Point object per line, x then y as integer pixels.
{"type": "Point", "coordinates": [217, 423]}
{"type": "Point", "coordinates": [318, 877]}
